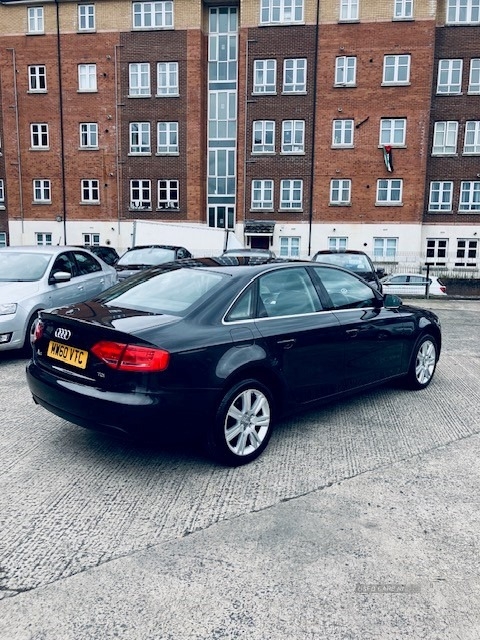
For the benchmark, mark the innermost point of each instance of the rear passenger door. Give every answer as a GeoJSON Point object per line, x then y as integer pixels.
{"type": "Point", "coordinates": [90, 273]}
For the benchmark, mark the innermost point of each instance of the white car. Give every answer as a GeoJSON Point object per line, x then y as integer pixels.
{"type": "Point", "coordinates": [34, 278]}
{"type": "Point", "coordinates": [405, 284]}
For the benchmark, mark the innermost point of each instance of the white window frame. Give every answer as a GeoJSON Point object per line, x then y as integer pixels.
{"type": "Point", "coordinates": [474, 77]}
{"type": "Point", "coordinates": [471, 146]}
{"type": "Point", "coordinates": [403, 10]}
{"type": "Point", "coordinates": [449, 77]}
{"type": "Point", "coordinates": [385, 249]}
{"type": "Point", "coordinates": [345, 71]}
{"type": "Point", "coordinates": [437, 249]}
{"type": "Point", "coordinates": [42, 189]}
{"type": "Point", "coordinates": [152, 15]}
{"type": "Point", "coordinates": [281, 11]}
{"type": "Point", "coordinates": [463, 12]}
{"type": "Point", "coordinates": [343, 133]}
{"type": "Point", "coordinates": [393, 132]}
{"type": "Point", "coordinates": [36, 21]}
{"type": "Point", "coordinates": [168, 195]}
{"type": "Point", "coordinates": [293, 136]}
{"type": "Point", "coordinates": [2, 193]}
{"type": "Point", "coordinates": [445, 136]}
{"type": "Point", "coordinates": [467, 252]}
{"type": "Point", "coordinates": [39, 136]}
{"type": "Point", "coordinates": [167, 79]}
{"type": "Point", "coordinates": [88, 135]}
{"type": "Point", "coordinates": [86, 17]}
{"type": "Point", "coordinates": [141, 194]}
{"type": "Point", "coordinates": [392, 190]}
{"type": "Point", "coordinates": [91, 239]}
{"type": "Point", "coordinates": [37, 76]}
{"type": "Point", "coordinates": [295, 75]}
{"type": "Point", "coordinates": [262, 195]}
{"type": "Point", "coordinates": [265, 76]}
{"type": "Point", "coordinates": [291, 194]}
{"type": "Point", "coordinates": [139, 80]}
{"type": "Point", "coordinates": [87, 77]}
{"type": "Point", "coordinates": [469, 196]}
{"type": "Point", "coordinates": [140, 139]}
{"type": "Point", "coordinates": [289, 247]}
{"type": "Point", "coordinates": [167, 138]}
{"type": "Point", "coordinates": [340, 191]}
{"type": "Point", "coordinates": [441, 196]}
{"type": "Point", "coordinates": [337, 243]}
{"type": "Point", "coordinates": [3, 239]}
{"type": "Point", "coordinates": [43, 239]}
{"type": "Point", "coordinates": [90, 191]}
{"type": "Point", "coordinates": [349, 10]}
{"type": "Point", "coordinates": [263, 136]}
{"type": "Point", "coordinates": [222, 115]}
{"type": "Point", "coordinates": [399, 67]}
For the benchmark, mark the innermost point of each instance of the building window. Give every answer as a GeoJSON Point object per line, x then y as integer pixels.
{"type": "Point", "coordinates": [43, 239]}
{"type": "Point", "coordinates": [140, 194]}
{"type": "Point", "coordinates": [167, 79]}
{"type": "Point", "coordinates": [221, 171]}
{"type": "Point", "coordinates": [337, 244]}
{"type": "Point", "coordinates": [403, 9]}
{"type": "Point", "coordinates": [281, 11]}
{"type": "Point", "coordinates": [291, 194]}
{"type": "Point", "coordinates": [467, 253]}
{"type": "Point", "coordinates": [289, 247]}
{"type": "Point", "coordinates": [86, 17]}
{"type": "Point", "coordinates": [39, 136]}
{"type": "Point", "coordinates": [264, 76]}
{"type": "Point", "coordinates": [345, 71]}
{"type": "Point", "coordinates": [2, 194]}
{"type": "Point", "coordinates": [472, 138]}
{"type": "Point", "coordinates": [167, 138]}
{"type": "Point", "coordinates": [474, 80]}
{"type": "Point", "coordinates": [293, 136]}
{"type": "Point", "coordinates": [222, 115]}
{"type": "Point", "coordinates": [463, 11]}
{"type": "Point", "coordinates": [385, 248]}
{"type": "Point", "coordinates": [389, 191]}
{"type": "Point", "coordinates": [437, 252]}
{"type": "Point", "coordinates": [263, 136]}
{"type": "Point", "coordinates": [392, 132]}
{"type": "Point", "coordinates": [91, 239]}
{"type": "Point", "coordinates": [87, 77]}
{"type": "Point", "coordinates": [88, 135]}
{"type": "Point", "coordinates": [168, 194]}
{"type": "Point", "coordinates": [348, 10]}
{"type": "Point", "coordinates": [140, 138]}
{"type": "Point", "coordinates": [342, 133]}
{"type": "Point", "coordinates": [396, 69]}
{"type": "Point", "coordinates": [139, 79]}
{"type": "Point", "coordinates": [440, 196]}
{"type": "Point", "coordinates": [37, 78]}
{"type": "Point", "coordinates": [469, 196]}
{"type": "Point", "coordinates": [35, 20]}
{"type": "Point", "coordinates": [445, 138]}
{"type": "Point", "coordinates": [340, 191]}
{"type": "Point", "coordinates": [3, 239]}
{"type": "Point", "coordinates": [295, 75]}
{"type": "Point", "coordinates": [449, 77]}
{"type": "Point", "coordinates": [90, 191]}
{"type": "Point", "coordinates": [153, 15]}
{"type": "Point", "coordinates": [41, 191]}
{"type": "Point", "coordinates": [262, 194]}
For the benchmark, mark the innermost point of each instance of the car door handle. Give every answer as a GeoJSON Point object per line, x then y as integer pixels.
{"type": "Point", "coordinates": [352, 333]}
{"type": "Point", "coordinates": [287, 343]}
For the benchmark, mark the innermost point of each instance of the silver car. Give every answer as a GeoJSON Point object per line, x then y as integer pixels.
{"type": "Point", "coordinates": [34, 278]}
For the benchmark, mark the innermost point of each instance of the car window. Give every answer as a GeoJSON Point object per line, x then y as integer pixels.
{"type": "Point", "coordinates": [419, 280]}
{"type": "Point", "coordinates": [86, 264]}
{"type": "Point", "coordinates": [353, 261]}
{"type": "Point", "coordinates": [287, 292]}
{"type": "Point", "coordinates": [244, 307]}
{"type": "Point", "coordinates": [345, 290]}
{"type": "Point", "coordinates": [64, 262]}
{"type": "Point", "coordinates": [397, 280]}
{"type": "Point", "coordinates": [148, 255]}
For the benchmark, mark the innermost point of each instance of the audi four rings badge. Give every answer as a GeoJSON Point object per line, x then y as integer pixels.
{"type": "Point", "coordinates": [63, 334]}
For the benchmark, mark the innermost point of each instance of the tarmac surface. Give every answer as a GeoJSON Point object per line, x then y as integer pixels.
{"type": "Point", "coordinates": [361, 521]}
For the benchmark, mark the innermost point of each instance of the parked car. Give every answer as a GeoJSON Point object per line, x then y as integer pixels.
{"type": "Point", "coordinates": [106, 253]}
{"type": "Point", "coordinates": [414, 284]}
{"type": "Point", "coordinates": [221, 352]}
{"type": "Point", "coordinates": [34, 278]}
{"type": "Point", "coordinates": [248, 253]}
{"type": "Point", "coordinates": [357, 261]}
{"type": "Point", "coordinates": [144, 257]}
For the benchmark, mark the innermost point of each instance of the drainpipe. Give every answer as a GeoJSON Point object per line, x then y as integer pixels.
{"type": "Point", "coordinates": [19, 155]}
{"type": "Point", "coordinates": [62, 133]}
{"type": "Point", "coordinates": [314, 113]}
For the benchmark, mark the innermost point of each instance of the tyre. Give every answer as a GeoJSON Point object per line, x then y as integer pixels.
{"type": "Point", "coordinates": [422, 366]}
{"type": "Point", "coordinates": [243, 424]}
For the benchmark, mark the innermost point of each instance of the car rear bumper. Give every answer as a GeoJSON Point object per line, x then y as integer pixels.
{"type": "Point", "coordinates": [133, 413]}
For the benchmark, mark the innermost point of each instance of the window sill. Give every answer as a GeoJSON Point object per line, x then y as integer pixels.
{"type": "Point", "coordinates": [263, 153]}
{"type": "Point", "coordinates": [339, 204]}
{"type": "Point", "coordinates": [389, 204]}
{"type": "Point", "coordinates": [141, 154]}
{"type": "Point", "coordinates": [344, 85]}
{"type": "Point", "coordinates": [39, 149]}
{"type": "Point", "coordinates": [34, 91]}
{"type": "Point", "coordinates": [264, 93]}
{"type": "Point", "coordinates": [80, 31]}
{"type": "Point", "coordinates": [289, 23]}
{"type": "Point", "coordinates": [41, 202]}
{"type": "Point", "coordinates": [303, 92]}
{"type": "Point", "coordinates": [439, 94]}
{"type": "Point", "coordinates": [342, 146]}
{"type": "Point", "coordinates": [167, 95]}
{"type": "Point", "coordinates": [140, 95]}
{"type": "Point", "coordinates": [349, 21]}
{"type": "Point", "coordinates": [444, 155]}
{"type": "Point", "coordinates": [394, 146]}
{"type": "Point", "coordinates": [87, 90]}
{"type": "Point", "coordinates": [292, 153]}
{"type": "Point", "coordinates": [88, 203]}
{"type": "Point", "coordinates": [290, 210]}
{"type": "Point", "coordinates": [396, 84]}
{"type": "Point", "coordinates": [403, 19]}
{"type": "Point", "coordinates": [167, 153]}
{"type": "Point", "coordinates": [167, 28]}
{"type": "Point", "coordinates": [35, 33]}
{"type": "Point", "coordinates": [88, 148]}
{"type": "Point", "coordinates": [469, 212]}
{"type": "Point", "coordinates": [438, 211]}
{"type": "Point", "coordinates": [258, 210]}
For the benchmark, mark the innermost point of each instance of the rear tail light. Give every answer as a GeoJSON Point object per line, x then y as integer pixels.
{"type": "Point", "coordinates": [128, 357]}
{"type": "Point", "coordinates": [37, 331]}
{"type": "Point", "coordinates": [443, 289]}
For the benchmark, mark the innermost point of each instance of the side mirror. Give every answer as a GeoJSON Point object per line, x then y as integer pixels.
{"type": "Point", "coordinates": [380, 273]}
{"type": "Point", "coordinates": [60, 276]}
{"type": "Point", "coordinates": [391, 301]}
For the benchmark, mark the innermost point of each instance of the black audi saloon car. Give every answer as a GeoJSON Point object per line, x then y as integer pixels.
{"type": "Point", "coordinates": [224, 350]}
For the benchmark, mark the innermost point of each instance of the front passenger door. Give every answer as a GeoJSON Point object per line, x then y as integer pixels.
{"type": "Point", "coordinates": [61, 293]}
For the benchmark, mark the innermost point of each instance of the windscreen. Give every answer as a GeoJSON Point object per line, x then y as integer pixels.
{"type": "Point", "coordinates": [352, 261]}
{"type": "Point", "coordinates": [149, 255]}
{"type": "Point", "coordinates": [22, 266]}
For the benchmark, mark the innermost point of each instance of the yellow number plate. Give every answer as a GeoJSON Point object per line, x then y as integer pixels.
{"type": "Point", "coordinates": [65, 353]}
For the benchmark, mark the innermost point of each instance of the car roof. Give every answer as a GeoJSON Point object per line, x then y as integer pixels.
{"type": "Point", "coordinates": [355, 251]}
{"type": "Point", "coordinates": [52, 249]}
{"type": "Point", "coordinates": [155, 246]}
{"type": "Point", "coordinates": [243, 264]}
